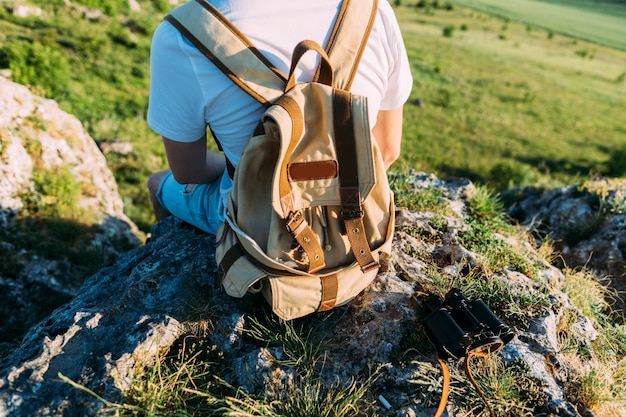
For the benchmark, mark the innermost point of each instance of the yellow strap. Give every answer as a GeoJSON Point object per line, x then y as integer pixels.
{"type": "Point", "coordinates": [445, 389]}
{"type": "Point", "coordinates": [330, 286]}
{"type": "Point", "coordinates": [235, 55]}
{"type": "Point", "coordinates": [296, 223]}
{"type": "Point", "coordinates": [229, 49]}
{"type": "Point", "coordinates": [355, 231]}
{"type": "Point", "coordinates": [481, 351]}
{"type": "Point", "coordinates": [348, 39]}
{"type": "Point", "coordinates": [306, 237]}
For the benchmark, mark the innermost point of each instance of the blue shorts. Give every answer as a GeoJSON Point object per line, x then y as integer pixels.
{"type": "Point", "coordinates": [197, 204]}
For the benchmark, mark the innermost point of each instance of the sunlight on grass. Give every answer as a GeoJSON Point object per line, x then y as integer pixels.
{"type": "Point", "coordinates": [527, 101]}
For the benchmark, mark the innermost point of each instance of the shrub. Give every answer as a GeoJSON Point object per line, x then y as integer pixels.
{"type": "Point", "coordinates": [509, 174]}
{"type": "Point", "coordinates": [36, 64]}
{"type": "Point", "coordinates": [616, 165]}
{"type": "Point", "coordinates": [448, 31]}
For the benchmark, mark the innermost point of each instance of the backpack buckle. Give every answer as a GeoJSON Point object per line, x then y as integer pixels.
{"type": "Point", "coordinates": [351, 213]}
{"type": "Point", "coordinates": [295, 222]}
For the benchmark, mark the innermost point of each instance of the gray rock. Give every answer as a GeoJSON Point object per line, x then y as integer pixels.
{"type": "Point", "coordinates": [125, 315]}
{"type": "Point", "coordinates": [35, 137]}
{"type": "Point", "coordinates": [587, 224]}
{"type": "Point", "coordinates": [120, 320]}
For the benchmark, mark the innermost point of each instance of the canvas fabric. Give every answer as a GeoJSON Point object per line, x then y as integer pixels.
{"type": "Point", "coordinates": [311, 212]}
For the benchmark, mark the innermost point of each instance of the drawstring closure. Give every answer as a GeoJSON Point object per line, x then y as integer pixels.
{"type": "Point", "coordinates": [324, 223]}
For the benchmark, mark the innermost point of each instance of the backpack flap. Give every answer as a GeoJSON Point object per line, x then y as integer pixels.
{"type": "Point", "coordinates": [309, 166]}
{"type": "Point", "coordinates": [326, 145]}
{"type": "Point", "coordinates": [292, 296]}
{"type": "Point", "coordinates": [232, 262]}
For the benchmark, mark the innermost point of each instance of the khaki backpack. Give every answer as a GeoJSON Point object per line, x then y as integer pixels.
{"type": "Point", "coordinates": [311, 212]}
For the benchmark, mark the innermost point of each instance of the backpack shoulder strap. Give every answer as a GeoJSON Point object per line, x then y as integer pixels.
{"type": "Point", "coordinates": [348, 39]}
{"type": "Point", "coordinates": [235, 55]}
{"type": "Point", "coordinates": [229, 49]}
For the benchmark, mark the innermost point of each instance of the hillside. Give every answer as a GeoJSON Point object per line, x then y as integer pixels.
{"type": "Point", "coordinates": [598, 21]}
{"type": "Point", "coordinates": [509, 104]}
{"type": "Point", "coordinates": [502, 103]}
{"type": "Point", "coordinates": [497, 101]}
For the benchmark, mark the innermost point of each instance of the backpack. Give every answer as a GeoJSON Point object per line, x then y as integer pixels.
{"type": "Point", "coordinates": [311, 214]}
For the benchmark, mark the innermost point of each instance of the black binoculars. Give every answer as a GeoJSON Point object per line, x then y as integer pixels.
{"type": "Point", "coordinates": [453, 324]}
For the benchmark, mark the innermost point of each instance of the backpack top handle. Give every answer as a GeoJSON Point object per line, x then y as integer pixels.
{"type": "Point", "coordinates": [325, 73]}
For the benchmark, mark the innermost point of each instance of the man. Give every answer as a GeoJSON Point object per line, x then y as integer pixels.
{"type": "Point", "coordinates": [188, 92]}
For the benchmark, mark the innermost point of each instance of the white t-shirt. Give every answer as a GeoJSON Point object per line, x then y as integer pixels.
{"type": "Point", "coordinates": [187, 91]}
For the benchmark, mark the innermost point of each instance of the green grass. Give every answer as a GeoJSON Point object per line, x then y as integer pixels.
{"type": "Point", "coordinates": [508, 112]}
{"type": "Point", "coordinates": [505, 103]}
{"type": "Point", "coordinates": [602, 22]}
{"type": "Point", "coordinates": [598, 382]}
{"type": "Point", "coordinates": [97, 70]}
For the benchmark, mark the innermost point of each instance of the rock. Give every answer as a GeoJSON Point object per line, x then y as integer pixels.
{"type": "Point", "coordinates": [587, 224]}
{"type": "Point", "coordinates": [128, 314]}
{"type": "Point", "coordinates": [120, 320]}
{"type": "Point", "coordinates": [26, 11]}
{"type": "Point", "coordinates": [41, 146]}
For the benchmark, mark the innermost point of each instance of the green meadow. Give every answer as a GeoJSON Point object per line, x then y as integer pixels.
{"type": "Point", "coordinates": [509, 103]}
{"type": "Point", "coordinates": [600, 21]}
{"type": "Point", "coordinates": [501, 96]}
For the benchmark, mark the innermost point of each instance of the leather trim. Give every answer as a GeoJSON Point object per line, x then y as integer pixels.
{"type": "Point", "coordinates": [316, 170]}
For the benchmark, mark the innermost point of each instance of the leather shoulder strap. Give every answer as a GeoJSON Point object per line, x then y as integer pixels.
{"type": "Point", "coordinates": [229, 49]}
{"type": "Point", "coordinates": [348, 39]}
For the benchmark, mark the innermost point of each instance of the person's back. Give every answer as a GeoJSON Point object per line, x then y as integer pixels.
{"type": "Point", "coordinates": [188, 92]}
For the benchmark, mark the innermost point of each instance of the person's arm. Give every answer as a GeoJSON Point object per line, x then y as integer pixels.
{"type": "Point", "coordinates": [388, 134]}
{"type": "Point", "coordinates": [192, 163]}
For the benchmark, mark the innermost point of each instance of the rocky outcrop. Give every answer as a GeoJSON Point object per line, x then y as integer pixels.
{"type": "Point", "coordinates": [82, 359]}
{"type": "Point", "coordinates": [586, 223]}
{"type": "Point", "coordinates": [52, 178]}
{"type": "Point", "coordinates": [124, 316]}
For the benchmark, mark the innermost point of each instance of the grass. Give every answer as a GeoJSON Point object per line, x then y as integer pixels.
{"type": "Point", "coordinates": [512, 112]}
{"type": "Point", "coordinates": [599, 373]}
{"type": "Point", "coordinates": [98, 70]}
{"type": "Point", "coordinates": [191, 381]}
{"type": "Point", "coordinates": [510, 389]}
{"type": "Point", "coordinates": [406, 194]}
{"type": "Point", "coordinates": [602, 22]}
{"type": "Point", "coordinates": [303, 345]}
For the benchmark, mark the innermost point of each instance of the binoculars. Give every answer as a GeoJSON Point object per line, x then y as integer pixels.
{"type": "Point", "coordinates": [457, 325]}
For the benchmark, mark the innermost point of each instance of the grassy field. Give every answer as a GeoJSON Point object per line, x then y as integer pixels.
{"type": "Point", "coordinates": [510, 104]}
{"type": "Point", "coordinates": [500, 102]}
{"type": "Point", "coordinates": [600, 21]}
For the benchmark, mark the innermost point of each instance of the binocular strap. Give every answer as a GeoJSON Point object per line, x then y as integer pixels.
{"type": "Point", "coordinates": [481, 350]}
{"type": "Point", "coordinates": [445, 389]}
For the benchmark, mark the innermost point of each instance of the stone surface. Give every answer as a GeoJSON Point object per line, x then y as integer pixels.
{"type": "Point", "coordinates": [36, 135]}
{"type": "Point", "coordinates": [126, 314]}
{"type": "Point", "coordinates": [587, 224]}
